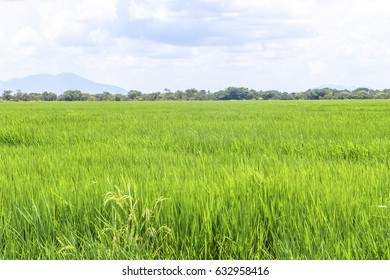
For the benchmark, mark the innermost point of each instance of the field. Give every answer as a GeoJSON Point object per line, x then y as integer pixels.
{"type": "Point", "coordinates": [195, 180]}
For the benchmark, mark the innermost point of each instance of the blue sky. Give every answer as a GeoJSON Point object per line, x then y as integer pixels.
{"type": "Point", "coordinates": [150, 45]}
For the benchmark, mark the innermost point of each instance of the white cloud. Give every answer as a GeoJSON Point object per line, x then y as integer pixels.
{"type": "Point", "coordinates": [147, 9]}
{"type": "Point", "coordinates": [26, 41]}
{"type": "Point", "coordinates": [211, 44]}
{"type": "Point", "coordinates": [99, 10]}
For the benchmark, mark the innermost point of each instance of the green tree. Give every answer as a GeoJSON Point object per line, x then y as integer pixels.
{"type": "Point", "coordinates": [235, 93]}
{"type": "Point", "coordinates": [72, 95]}
{"type": "Point", "coordinates": [134, 95]}
{"type": "Point", "coordinates": [7, 95]}
{"type": "Point", "coordinates": [21, 96]}
{"type": "Point", "coordinates": [35, 96]}
{"type": "Point", "coordinates": [270, 95]}
{"type": "Point", "coordinates": [49, 96]}
{"type": "Point", "coordinates": [120, 97]}
{"type": "Point", "coordinates": [361, 93]}
{"type": "Point", "coordinates": [190, 94]}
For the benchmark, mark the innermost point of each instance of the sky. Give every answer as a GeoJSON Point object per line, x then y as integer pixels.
{"type": "Point", "coordinates": [151, 45]}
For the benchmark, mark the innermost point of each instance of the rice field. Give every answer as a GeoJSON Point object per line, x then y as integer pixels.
{"type": "Point", "coordinates": [195, 180]}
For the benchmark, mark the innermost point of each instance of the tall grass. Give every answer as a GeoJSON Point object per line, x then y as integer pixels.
{"type": "Point", "coordinates": [195, 180]}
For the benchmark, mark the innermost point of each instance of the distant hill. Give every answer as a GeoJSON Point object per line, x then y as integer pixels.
{"type": "Point", "coordinates": [57, 84]}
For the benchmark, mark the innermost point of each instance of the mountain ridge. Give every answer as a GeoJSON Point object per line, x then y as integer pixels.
{"type": "Point", "coordinates": [58, 84]}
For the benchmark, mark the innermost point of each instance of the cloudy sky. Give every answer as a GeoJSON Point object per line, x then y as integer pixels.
{"type": "Point", "coordinates": [151, 45]}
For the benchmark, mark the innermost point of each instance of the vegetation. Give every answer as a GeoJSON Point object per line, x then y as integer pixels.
{"type": "Point", "coordinates": [231, 93]}
{"type": "Point", "coordinates": [195, 180]}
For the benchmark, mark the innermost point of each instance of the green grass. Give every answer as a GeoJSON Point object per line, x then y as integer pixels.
{"type": "Point", "coordinates": [195, 180]}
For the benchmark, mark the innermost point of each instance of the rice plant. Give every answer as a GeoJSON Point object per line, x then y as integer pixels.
{"type": "Point", "coordinates": [195, 180]}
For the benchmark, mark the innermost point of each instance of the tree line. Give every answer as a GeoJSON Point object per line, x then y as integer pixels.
{"type": "Point", "coordinates": [231, 93]}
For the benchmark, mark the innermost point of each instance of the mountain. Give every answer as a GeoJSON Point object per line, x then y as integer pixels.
{"type": "Point", "coordinates": [57, 84]}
